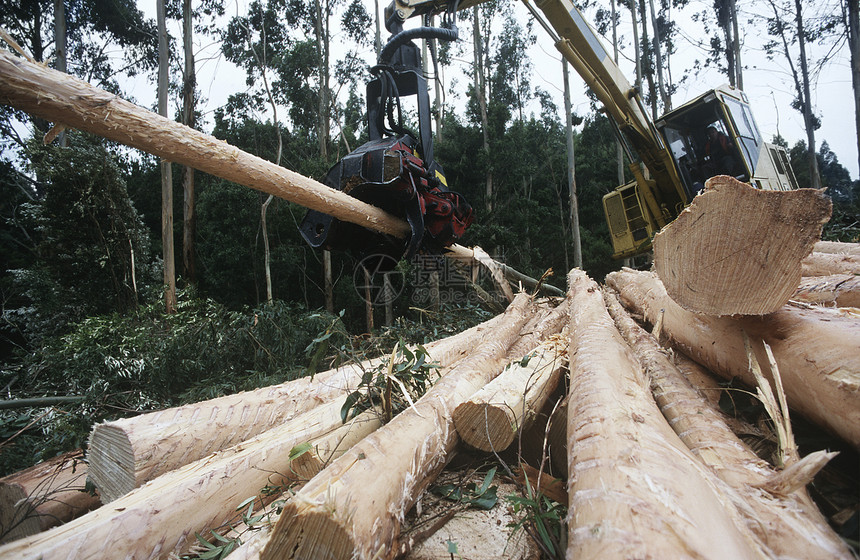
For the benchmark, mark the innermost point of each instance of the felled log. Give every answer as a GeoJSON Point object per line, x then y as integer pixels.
{"type": "Point", "coordinates": [737, 249]}
{"type": "Point", "coordinates": [788, 523]}
{"type": "Point", "coordinates": [161, 517]}
{"type": "Point", "coordinates": [840, 290]}
{"type": "Point", "coordinates": [635, 489]}
{"type": "Point", "coordinates": [44, 495]}
{"type": "Point", "coordinates": [837, 247]}
{"type": "Point", "coordinates": [468, 256]}
{"type": "Point", "coordinates": [815, 349]}
{"type": "Point", "coordinates": [491, 418]}
{"type": "Point", "coordinates": [354, 507]}
{"type": "Point", "coordinates": [828, 264]}
{"type": "Point", "coordinates": [123, 454]}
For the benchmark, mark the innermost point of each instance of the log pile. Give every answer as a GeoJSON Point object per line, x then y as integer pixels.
{"type": "Point", "coordinates": [654, 468]}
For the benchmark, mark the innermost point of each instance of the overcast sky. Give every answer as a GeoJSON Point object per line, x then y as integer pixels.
{"type": "Point", "coordinates": [767, 83]}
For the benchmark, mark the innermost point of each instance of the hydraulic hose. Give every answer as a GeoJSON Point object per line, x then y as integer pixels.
{"type": "Point", "coordinates": [441, 33]}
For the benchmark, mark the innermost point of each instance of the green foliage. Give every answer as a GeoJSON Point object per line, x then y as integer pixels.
{"type": "Point", "coordinates": [482, 497]}
{"type": "Point", "coordinates": [542, 518]}
{"type": "Point", "coordinates": [393, 385]}
{"type": "Point", "coordinates": [127, 363]}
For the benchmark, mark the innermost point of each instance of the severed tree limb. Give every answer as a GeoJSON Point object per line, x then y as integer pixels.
{"type": "Point", "coordinates": [737, 249]}
{"type": "Point", "coordinates": [636, 491]}
{"type": "Point", "coordinates": [784, 518]}
{"type": "Point", "coordinates": [815, 349]}
{"type": "Point", "coordinates": [354, 507]}
{"type": "Point", "coordinates": [160, 518]}
{"type": "Point", "coordinates": [837, 247]}
{"type": "Point", "coordinates": [840, 290]}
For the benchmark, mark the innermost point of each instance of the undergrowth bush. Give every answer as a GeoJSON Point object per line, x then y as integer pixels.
{"type": "Point", "coordinates": [123, 364]}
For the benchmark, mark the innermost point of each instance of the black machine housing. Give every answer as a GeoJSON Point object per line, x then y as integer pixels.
{"type": "Point", "coordinates": [395, 170]}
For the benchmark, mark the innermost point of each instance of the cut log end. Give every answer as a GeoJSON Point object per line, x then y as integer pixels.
{"type": "Point", "coordinates": [736, 250]}
{"type": "Point", "coordinates": [313, 534]}
{"type": "Point", "coordinates": [18, 518]}
{"type": "Point", "coordinates": [487, 427]}
{"type": "Point", "coordinates": [111, 461]}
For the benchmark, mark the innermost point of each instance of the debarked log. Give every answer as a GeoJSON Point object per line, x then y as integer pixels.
{"type": "Point", "coordinates": [45, 495]}
{"type": "Point", "coordinates": [161, 517]}
{"type": "Point", "coordinates": [123, 454]}
{"type": "Point", "coordinates": [828, 264]}
{"type": "Point", "coordinates": [635, 489]}
{"type": "Point", "coordinates": [354, 507]}
{"type": "Point", "coordinates": [737, 249]}
{"type": "Point", "coordinates": [491, 418]}
{"type": "Point", "coordinates": [815, 349]}
{"type": "Point", "coordinates": [788, 524]}
{"type": "Point", "coordinates": [839, 290]}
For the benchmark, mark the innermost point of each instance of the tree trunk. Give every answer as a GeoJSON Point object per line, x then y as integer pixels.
{"type": "Point", "coordinates": [189, 83]}
{"type": "Point", "coordinates": [382, 477]}
{"type": "Point", "coordinates": [492, 417]}
{"type": "Point", "coordinates": [635, 489]}
{"type": "Point", "coordinates": [322, 44]}
{"type": "Point", "coordinates": [840, 290]}
{"type": "Point", "coordinates": [45, 495]}
{"type": "Point", "coordinates": [788, 525]}
{"type": "Point", "coordinates": [63, 98]}
{"type": "Point", "coordinates": [652, 87]}
{"type": "Point", "coordinates": [658, 59]}
{"type": "Point", "coordinates": [481, 92]}
{"type": "Point", "coordinates": [60, 50]}
{"type": "Point", "coordinates": [327, 281]}
{"type": "Point", "coordinates": [808, 118]}
{"type": "Point", "coordinates": [828, 264]}
{"type": "Point", "coordinates": [815, 349]}
{"type": "Point", "coordinates": [736, 46]}
{"type": "Point", "coordinates": [161, 518]}
{"type": "Point", "coordinates": [853, 28]}
{"type": "Point", "coordinates": [125, 453]}
{"type": "Point", "coordinates": [166, 171]}
{"type": "Point", "coordinates": [264, 208]}
{"type": "Point", "coordinates": [737, 249]}
{"type": "Point", "coordinates": [571, 169]}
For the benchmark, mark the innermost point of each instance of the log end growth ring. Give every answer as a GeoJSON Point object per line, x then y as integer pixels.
{"type": "Point", "coordinates": [736, 250]}
{"type": "Point", "coordinates": [486, 427]}
{"type": "Point", "coordinates": [111, 462]}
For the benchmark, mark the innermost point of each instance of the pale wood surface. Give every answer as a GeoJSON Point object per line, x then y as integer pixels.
{"type": "Point", "coordinates": [815, 349]}
{"type": "Point", "coordinates": [354, 507]}
{"type": "Point", "coordinates": [737, 249]}
{"type": "Point", "coordinates": [490, 419]}
{"type": "Point", "coordinates": [61, 98]}
{"type": "Point", "coordinates": [827, 264]}
{"type": "Point", "coordinates": [635, 489]}
{"type": "Point", "coordinates": [840, 290]}
{"type": "Point", "coordinates": [44, 495]}
{"type": "Point", "coordinates": [788, 525]}
{"type": "Point", "coordinates": [837, 247]}
{"type": "Point", "coordinates": [123, 454]}
{"type": "Point", "coordinates": [161, 517]}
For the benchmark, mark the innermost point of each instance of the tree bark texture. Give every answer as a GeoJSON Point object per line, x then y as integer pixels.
{"type": "Point", "coordinates": [160, 518]}
{"type": "Point", "coordinates": [635, 489]}
{"type": "Point", "coordinates": [62, 98]}
{"type": "Point", "coordinates": [787, 525]}
{"type": "Point", "coordinates": [713, 260]}
{"type": "Point", "coordinates": [355, 506]}
{"type": "Point", "coordinates": [815, 349]}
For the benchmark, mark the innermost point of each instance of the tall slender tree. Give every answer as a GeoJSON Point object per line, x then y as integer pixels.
{"type": "Point", "coordinates": [166, 171]}
{"type": "Point", "coordinates": [851, 16]}
{"type": "Point", "coordinates": [189, 83]}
